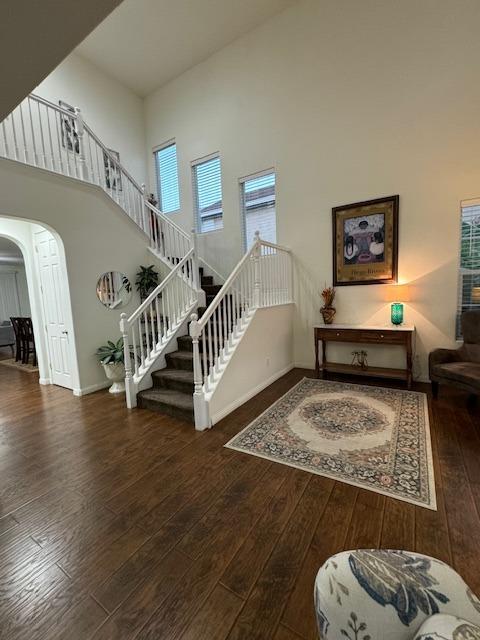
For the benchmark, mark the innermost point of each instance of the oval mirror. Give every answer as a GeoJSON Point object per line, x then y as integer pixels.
{"type": "Point", "coordinates": [114, 289]}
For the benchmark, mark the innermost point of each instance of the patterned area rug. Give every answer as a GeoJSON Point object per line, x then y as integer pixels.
{"type": "Point", "coordinates": [371, 437]}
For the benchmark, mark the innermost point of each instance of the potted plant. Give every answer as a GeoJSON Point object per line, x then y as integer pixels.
{"type": "Point", "coordinates": [328, 311]}
{"type": "Point", "coordinates": [147, 281]}
{"type": "Point", "coordinates": [112, 359]}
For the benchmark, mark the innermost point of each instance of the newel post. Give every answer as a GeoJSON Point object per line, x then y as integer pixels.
{"type": "Point", "coordinates": [256, 270]}
{"type": "Point", "coordinates": [200, 407]}
{"type": "Point", "coordinates": [129, 382]}
{"type": "Point", "coordinates": [81, 145]}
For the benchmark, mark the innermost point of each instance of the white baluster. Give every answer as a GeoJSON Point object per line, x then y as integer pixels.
{"type": "Point", "coordinates": [42, 138]}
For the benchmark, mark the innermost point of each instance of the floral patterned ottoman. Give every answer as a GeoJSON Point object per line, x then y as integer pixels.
{"type": "Point", "coordinates": [393, 595]}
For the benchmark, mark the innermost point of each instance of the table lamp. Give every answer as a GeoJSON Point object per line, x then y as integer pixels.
{"type": "Point", "coordinates": [397, 294]}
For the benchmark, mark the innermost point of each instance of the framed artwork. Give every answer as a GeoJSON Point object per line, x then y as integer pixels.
{"type": "Point", "coordinates": [113, 176]}
{"type": "Point", "coordinates": [68, 127]}
{"type": "Point", "coordinates": [365, 242]}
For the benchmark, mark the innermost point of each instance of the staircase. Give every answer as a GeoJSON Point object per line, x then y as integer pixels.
{"type": "Point", "coordinates": [173, 386]}
{"type": "Point", "coordinates": [203, 320]}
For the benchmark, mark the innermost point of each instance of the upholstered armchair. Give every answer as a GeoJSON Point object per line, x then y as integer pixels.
{"type": "Point", "coordinates": [459, 367]}
{"type": "Point", "coordinates": [393, 595]}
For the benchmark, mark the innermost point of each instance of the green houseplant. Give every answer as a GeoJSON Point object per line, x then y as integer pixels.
{"type": "Point", "coordinates": [112, 359]}
{"type": "Point", "coordinates": [147, 280]}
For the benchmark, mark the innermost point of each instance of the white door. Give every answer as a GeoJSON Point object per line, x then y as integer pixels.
{"type": "Point", "coordinates": [54, 300]}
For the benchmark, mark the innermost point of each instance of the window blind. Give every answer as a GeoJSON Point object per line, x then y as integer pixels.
{"type": "Point", "coordinates": [167, 178]}
{"type": "Point", "coordinates": [258, 208]}
{"type": "Point", "coordinates": [469, 285]}
{"type": "Point", "coordinates": [207, 177]}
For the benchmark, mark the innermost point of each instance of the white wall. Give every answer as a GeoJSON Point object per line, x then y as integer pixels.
{"type": "Point", "coordinates": [22, 289]}
{"type": "Point", "coordinates": [113, 112]}
{"type": "Point", "coordinates": [263, 354]}
{"type": "Point", "coordinates": [348, 101]}
{"type": "Point", "coordinates": [97, 237]}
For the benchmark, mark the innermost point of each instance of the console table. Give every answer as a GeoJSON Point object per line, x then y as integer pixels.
{"type": "Point", "coordinates": [401, 335]}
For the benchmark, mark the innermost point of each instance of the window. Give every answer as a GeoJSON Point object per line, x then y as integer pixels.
{"type": "Point", "coordinates": [167, 178]}
{"type": "Point", "coordinates": [258, 208]}
{"type": "Point", "coordinates": [469, 285]}
{"type": "Point", "coordinates": [207, 182]}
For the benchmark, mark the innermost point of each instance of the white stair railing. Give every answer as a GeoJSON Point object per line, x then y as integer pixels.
{"type": "Point", "coordinates": [148, 331]}
{"type": "Point", "coordinates": [262, 278]}
{"type": "Point", "coordinates": [42, 134]}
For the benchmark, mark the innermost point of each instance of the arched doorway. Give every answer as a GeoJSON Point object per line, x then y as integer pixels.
{"type": "Point", "coordinates": [48, 299]}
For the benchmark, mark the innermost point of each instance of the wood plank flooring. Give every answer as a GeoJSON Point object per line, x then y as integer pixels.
{"type": "Point", "coordinates": [130, 525]}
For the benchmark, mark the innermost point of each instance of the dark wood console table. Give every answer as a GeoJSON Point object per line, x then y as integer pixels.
{"type": "Point", "coordinates": [401, 335]}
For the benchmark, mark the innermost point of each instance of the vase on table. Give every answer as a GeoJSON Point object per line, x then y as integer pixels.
{"type": "Point", "coordinates": [328, 314]}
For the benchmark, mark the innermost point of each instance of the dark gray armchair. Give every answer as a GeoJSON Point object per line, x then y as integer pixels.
{"type": "Point", "coordinates": [459, 367]}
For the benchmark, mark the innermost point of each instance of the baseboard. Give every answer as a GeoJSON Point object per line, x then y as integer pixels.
{"type": "Point", "coordinates": [83, 391]}
{"type": "Point", "coordinates": [253, 392]}
{"type": "Point", "coordinates": [44, 381]}
{"type": "Point", "coordinates": [304, 365]}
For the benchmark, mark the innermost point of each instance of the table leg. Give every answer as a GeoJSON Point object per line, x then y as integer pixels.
{"type": "Point", "coordinates": [317, 365]}
{"type": "Point", "coordinates": [324, 357]}
{"type": "Point", "coordinates": [409, 361]}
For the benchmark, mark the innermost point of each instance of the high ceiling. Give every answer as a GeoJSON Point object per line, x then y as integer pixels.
{"type": "Point", "coordinates": [36, 36]}
{"type": "Point", "coordinates": [146, 43]}
{"type": "Point", "coordinates": [9, 252]}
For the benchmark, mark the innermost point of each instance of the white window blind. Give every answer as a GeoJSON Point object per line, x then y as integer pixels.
{"type": "Point", "coordinates": [469, 285]}
{"type": "Point", "coordinates": [167, 178]}
{"type": "Point", "coordinates": [258, 208]}
{"type": "Point", "coordinates": [207, 180]}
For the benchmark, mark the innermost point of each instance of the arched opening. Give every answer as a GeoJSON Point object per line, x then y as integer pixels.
{"type": "Point", "coordinates": [46, 302]}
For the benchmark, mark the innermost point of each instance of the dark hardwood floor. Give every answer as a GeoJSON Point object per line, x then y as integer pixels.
{"type": "Point", "coordinates": [121, 525]}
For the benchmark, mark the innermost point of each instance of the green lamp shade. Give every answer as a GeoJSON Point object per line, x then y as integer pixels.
{"type": "Point", "coordinates": [397, 313]}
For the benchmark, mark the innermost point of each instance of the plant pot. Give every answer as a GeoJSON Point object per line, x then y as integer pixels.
{"type": "Point", "coordinates": [328, 314]}
{"type": "Point", "coordinates": [116, 373]}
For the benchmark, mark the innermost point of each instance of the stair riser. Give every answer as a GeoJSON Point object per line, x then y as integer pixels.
{"type": "Point", "coordinates": [163, 408]}
{"type": "Point", "coordinates": [211, 289]}
{"type": "Point", "coordinates": [185, 343]}
{"type": "Point", "coordinates": [174, 385]}
{"type": "Point", "coordinates": [179, 363]}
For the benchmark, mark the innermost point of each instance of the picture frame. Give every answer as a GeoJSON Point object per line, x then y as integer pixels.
{"type": "Point", "coordinates": [365, 242]}
{"type": "Point", "coordinates": [113, 176]}
{"type": "Point", "coordinates": [68, 128]}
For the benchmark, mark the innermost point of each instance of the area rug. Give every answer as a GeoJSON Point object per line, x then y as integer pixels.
{"type": "Point", "coordinates": [370, 437]}
{"type": "Point", "coordinates": [18, 365]}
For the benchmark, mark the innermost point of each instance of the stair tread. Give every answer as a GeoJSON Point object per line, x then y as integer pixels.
{"type": "Point", "coordinates": [183, 355]}
{"type": "Point", "coordinates": [174, 374]}
{"type": "Point", "coordinates": [168, 396]}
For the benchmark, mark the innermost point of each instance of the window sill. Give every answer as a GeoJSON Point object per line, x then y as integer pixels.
{"type": "Point", "coordinates": [206, 233]}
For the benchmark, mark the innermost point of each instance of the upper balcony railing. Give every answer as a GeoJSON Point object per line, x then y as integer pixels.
{"type": "Point", "coordinates": [44, 135]}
